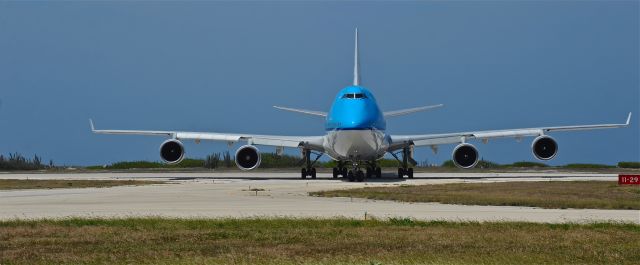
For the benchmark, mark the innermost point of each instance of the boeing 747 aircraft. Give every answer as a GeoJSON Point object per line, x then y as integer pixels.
{"type": "Point", "coordinates": [356, 137]}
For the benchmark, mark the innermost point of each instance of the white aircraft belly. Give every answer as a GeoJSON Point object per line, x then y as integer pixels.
{"type": "Point", "coordinates": [355, 144]}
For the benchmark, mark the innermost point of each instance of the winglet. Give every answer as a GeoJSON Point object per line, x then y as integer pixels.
{"type": "Point", "coordinates": [93, 128]}
{"type": "Point", "coordinates": [628, 119]}
{"type": "Point", "coordinates": [356, 64]}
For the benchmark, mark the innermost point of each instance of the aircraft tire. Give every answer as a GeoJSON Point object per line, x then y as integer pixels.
{"type": "Point", "coordinates": [351, 176]}
{"type": "Point", "coordinates": [360, 176]}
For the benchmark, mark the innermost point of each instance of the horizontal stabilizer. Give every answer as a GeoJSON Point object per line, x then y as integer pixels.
{"type": "Point", "coordinates": [411, 110]}
{"type": "Point", "coordinates": [304, 111]}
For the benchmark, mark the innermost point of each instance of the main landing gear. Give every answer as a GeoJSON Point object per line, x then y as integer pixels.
{"type": "Point", "coordinates": [373, 170]}
{"type": "Point", "coordinates": [309, 170]}
{"type": "Point", "coordinates": [355, 175]}
{"type": "Point", "coordinates": [405, 170]}
{"type": "Point", "coordinates": [340, 170]}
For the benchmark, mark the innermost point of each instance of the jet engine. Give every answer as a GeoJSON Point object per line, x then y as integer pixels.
{"type": "Point", "coordinates": [172, 151]}
{"type": "Point", "coordinates": [248, 157]}
{"type": "Point", "coordinates": [544, 147]}
{"type": "Point", "coordinates": [465, 156]}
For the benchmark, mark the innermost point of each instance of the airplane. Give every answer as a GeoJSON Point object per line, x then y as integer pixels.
{"type": "Point", "coordinates": [356, 137]}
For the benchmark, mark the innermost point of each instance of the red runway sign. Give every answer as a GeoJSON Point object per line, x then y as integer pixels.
{"type": "Point", "coordinates": [628, 179]}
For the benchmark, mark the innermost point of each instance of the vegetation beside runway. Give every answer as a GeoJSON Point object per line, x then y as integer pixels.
{"type": "Point", "coordinates": [16, 184]}
{"type": "Point", "coordinates": [225, 161]}
{"type": "Point", "coordinates": [313, 241]}
{"type": "Point", "coordinates": [545, 194]}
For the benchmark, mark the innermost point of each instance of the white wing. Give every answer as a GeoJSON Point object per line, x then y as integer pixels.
{"type": "Point", "coordinates": [433, 140]}
{"type": "Point", "coordinates": [411, 110]}
{"type": "Point", "coordinates": [304, 111]}
{"type": "Point", "coordinates": [311, 142]}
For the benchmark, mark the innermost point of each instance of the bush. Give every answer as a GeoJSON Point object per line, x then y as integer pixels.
{"type": "Point", "coordinates": [271, 160]}
{"type": "Point", "coordinates": [448, 163]}
{"type": "Point", "coordinates": [527, 164]}
{"type": "Point", "coordinates": [186, 163]}
{"type": "Point", "coordinates": [16, 161]}
{"type": "Point", "coordinates": [577, 165]}
{"type": "Point", "coordinates": [629, 164]}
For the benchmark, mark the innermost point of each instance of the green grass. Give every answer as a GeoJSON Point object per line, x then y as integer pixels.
{"type": "Point", "coordinates": [13, 184]}
{"type": "Point", "coordinates": [545, 194]}
{"type": "Point", "coordinates": [312, 241]}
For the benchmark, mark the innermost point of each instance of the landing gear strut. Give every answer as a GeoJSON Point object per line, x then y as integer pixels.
{"type": "Point", "coordinates": [405, 170]}
{"type": "Point", "coordinates": [309, 170]}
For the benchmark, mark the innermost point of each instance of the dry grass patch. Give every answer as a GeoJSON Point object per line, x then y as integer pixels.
{"type": "Point", "coordinates": [547, 194]}
{"type": "Point", "coordinates": [311, 241]}
{"type": "Point", "coordinates": [15, 184]}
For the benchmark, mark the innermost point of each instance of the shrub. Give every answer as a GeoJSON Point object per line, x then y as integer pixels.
{"type": "Point", "coordinates": [629, 164]}
{"type": "Point", "coordinates": [527, 164]}
{"type": "Point", "coordinates": [578, 165]}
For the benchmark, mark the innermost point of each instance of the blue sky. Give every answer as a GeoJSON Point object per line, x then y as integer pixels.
{"type": "Point", "coordinates": [220, 66]}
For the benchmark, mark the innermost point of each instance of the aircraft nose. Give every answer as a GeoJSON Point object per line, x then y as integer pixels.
{"type": "Point", "coordinates": [361, 120]}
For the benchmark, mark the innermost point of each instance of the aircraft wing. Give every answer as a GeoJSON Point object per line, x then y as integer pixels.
{"type": "Point", "coordinates": [303, 111]}
{"type": "Point", "coordinates": [311, 142]}
{"type": "Point", "coordinates": [408, 111]}
{"type": "Point", "coordinates": [433, 140]}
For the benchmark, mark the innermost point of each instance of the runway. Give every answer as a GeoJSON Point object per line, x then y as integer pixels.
{"type": "Point", "coordinates": [207, 195]}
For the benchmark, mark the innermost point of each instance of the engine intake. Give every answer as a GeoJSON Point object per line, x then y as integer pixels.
{"type": "Point", "coordinates": [465, 156]}
{"type": "Point", "coordinates": [248, 157]}
{"type": "Point", "coordinates": [544, 147]}
{"type": "Point", "coordinates": [172, 151]}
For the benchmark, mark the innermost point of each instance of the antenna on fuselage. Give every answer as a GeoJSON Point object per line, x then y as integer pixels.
{"type": "Point", "coordinates": [356, 64]}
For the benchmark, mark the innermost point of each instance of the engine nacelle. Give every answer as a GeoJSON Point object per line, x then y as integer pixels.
{"type": "Point", "coordinates": [172, 151]}
{"type": "Point", "coordinates": [465, 156]}
{"type": "Point", "coordinates": [248, 157]}
{"type": "Point", "coordinates": [544, 147]}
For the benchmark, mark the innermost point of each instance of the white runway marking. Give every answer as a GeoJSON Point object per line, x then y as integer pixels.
{"type": "Point", "coordinates": [229, 195]}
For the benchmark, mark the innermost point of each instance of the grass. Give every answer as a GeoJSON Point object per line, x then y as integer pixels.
{"type": "Point", "coordinates": [312, 241]}
{"type": "Point", "coordinates": [14, 184]}
{"type": "Point", "coordinates": [551, 194]}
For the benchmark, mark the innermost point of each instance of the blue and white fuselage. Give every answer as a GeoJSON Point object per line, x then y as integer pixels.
{"type": "Point", "coordinates": [355, 126]}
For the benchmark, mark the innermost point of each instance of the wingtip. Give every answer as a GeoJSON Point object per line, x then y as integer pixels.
{"type": "Point", "coordinates": [628, 119]}
{"type": "Point", "coordinates": [93, 128]}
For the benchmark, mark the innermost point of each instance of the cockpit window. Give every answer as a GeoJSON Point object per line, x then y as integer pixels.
{"type": "Point", "coordinates": [354, 95]}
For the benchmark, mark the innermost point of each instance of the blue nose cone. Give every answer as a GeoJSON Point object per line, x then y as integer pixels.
{"type": "Point", "coordinates": [355, 108]}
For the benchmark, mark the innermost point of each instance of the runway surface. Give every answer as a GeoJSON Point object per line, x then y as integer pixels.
{"type": "Point", "coordinates": [285, 194]}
